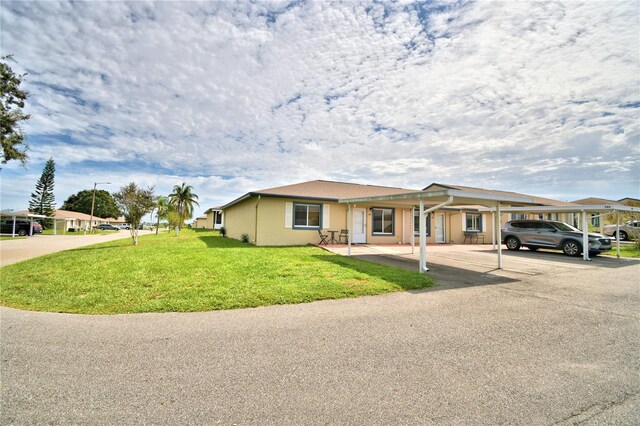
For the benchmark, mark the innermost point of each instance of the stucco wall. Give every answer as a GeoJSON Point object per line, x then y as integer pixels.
{"type": "Point", "coordinates": [240, 219]}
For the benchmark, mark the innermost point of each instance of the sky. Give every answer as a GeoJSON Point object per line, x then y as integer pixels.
{"type": "Point", "coordinates": [541, 98]}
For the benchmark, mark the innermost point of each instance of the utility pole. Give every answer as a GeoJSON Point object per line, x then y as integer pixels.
{"type": "Point", "coordinates": [93, 203]}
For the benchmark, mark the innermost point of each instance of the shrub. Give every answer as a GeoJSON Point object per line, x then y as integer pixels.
{"type": "Point", "coordinates": [244, 238]}
{"type": "Point", "coordinates": [223, 232]}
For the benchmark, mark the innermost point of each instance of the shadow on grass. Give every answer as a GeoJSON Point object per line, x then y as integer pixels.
{"type": "Point", "coordinates": [400, 277]}
{"type": "Point", "coordinates": [216, 241]}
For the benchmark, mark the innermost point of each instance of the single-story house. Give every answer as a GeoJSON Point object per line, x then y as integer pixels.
{"type": "Point", "coordinates": [293, 214]}
{"type": "Point", "coordinates": [200, 222]}
{"type": "Point", "coordinates": [66, 220]}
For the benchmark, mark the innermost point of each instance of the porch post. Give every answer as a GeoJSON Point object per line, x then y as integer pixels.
{"type": "Point", "coordinates": [349, 230]}
{"type": "Point", "coordinates": [423, 239]}
{"type": "Point", "coordinates": [493, 234]}
{"type": "Point", "coordinates": [413, 231]}
{"type": "Point", "coordinates": [585, 236]}
{"type": "Point", "coordinates": [497, 233]}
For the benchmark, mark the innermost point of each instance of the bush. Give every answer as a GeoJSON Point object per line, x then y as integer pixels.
{"type": "Point", "coordinates": [223, 232]}
{"type": "Point", "coordinates": [244, 238]}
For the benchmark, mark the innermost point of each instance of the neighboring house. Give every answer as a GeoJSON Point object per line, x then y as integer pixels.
{"type": "Point", "coordinates": [214, 218]}
{"type": "Point", "coordinates": [293, 214]}
{"type": "Point", "coordinates": [67, 220]}
{"type": "Point", "coordinates": [117, 222]}
{"type": "Point", "coordinates": [592, 201]}
{"type": "Point", "coordinates": [200, 222]}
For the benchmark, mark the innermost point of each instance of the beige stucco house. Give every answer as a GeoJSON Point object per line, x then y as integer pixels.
{"type": "Point", "coordinates": [67, 220]}
{"type": "Point", "coordinates": [293, 215]}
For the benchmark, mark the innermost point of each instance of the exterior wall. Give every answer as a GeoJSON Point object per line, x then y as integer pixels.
{"type": "Point", "coordinates": [201, 223]}
{"type": "Point", "coordinates": [241, 219]}
{"type": "Point", "coordinates": [209, 221]}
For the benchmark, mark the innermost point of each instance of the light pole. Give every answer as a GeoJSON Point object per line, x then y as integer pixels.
{"type": "Point", "coordinates": [93, 203]}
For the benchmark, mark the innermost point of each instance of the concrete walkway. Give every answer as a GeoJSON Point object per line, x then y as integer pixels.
{"type": "Point", "coordinates": [12, 251]}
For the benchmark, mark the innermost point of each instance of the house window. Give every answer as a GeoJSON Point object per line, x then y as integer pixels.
{"type": "Point", "coordinates": [218, 218]}
{"type": "Point", "coordinates": [306, 216]}
{"type": "Point", "coordinates": [474, 222]}
{"type": "Point", "coordinates": [519, 216]}
{"type": "Point", "coordinates": [382, 221]}
{"type": "Point", "coordinates": [595, 219]}
{"type": "Point", "coordinates": [416, 223]}
{"type": "Point", "coordinates": [552, 216]}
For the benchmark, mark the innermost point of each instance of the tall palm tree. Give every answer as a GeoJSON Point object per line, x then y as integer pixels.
{"type": "Point", "coordinates": [162, 204]}
{"type": "Point", "coordinates": [183, 200]}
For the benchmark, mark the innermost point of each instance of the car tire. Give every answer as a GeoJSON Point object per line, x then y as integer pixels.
{"type": "Point", "coordinates": [512, 243]}
{"type": "Point", "coordinates": [22, 232]}
{"type": "Point", "coordinates": [571, 248]}
{"type": "Point", "coordinates": [623, 236]}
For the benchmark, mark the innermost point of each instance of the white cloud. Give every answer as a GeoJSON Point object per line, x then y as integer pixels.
{"type": "Point", "coordinates": [502, 95]}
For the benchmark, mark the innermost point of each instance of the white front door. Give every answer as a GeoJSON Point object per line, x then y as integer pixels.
{"type": "Point", "coordinates": [440, 234]}
{"type": "Point", "coordinates": [359, 226]}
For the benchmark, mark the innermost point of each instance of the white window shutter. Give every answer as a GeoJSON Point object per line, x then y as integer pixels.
{"type": "Point", "coordinates": [288, 215]}
{"type": "Point", "coordinates": [464, 221]}
{"type": "Point", "coordinates": [325, 216]}
{"type": "Point", "coordinates": [484, 223]}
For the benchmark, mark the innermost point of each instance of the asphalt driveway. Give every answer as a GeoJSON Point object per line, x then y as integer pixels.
{"type": "Point", "coordinates": [556, 344]}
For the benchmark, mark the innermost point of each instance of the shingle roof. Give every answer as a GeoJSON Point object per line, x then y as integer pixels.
{"type": "Point", "coordinates": [324, 190]}
{"type": "Point", "coordinates": [591, 201]}
{"type": "Point", "coordinates": [536, 200]}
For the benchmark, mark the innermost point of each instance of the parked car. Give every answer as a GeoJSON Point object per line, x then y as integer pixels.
{"type": "Point", "coordinates": [536, 234]}
{"type": "Point", "coordinates": [107, 227]}
{"type": "Point", "coordinates": [125, 226]}
{"type": "Point", "coordinates": [23, 227]}
{"type": "Point", "coordinates": [628, 230]}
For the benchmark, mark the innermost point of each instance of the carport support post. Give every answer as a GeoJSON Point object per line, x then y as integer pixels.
{"type": "Point", "coordinates": [585, 236]}
{"type": "Point", "coordinates": [493, 234]}
{"type": "Point", "coordinates": [497, 233]}
{"type": "Point", "coordinates": [423, 239]}
{"type": "Point", "coordinates": [13, 231]}
{"type": "Point", "coordinates": [618, 234]}
{"type": "Point", "coordinates": [413, 233]}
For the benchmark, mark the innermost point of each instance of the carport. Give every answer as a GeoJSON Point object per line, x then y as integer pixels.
{"type": "Point", "coordinates": [429, 201]}
{"type": "Point", "coordinates": [584, 211]}
{"type": "Point", "coordinates": [28, 217]}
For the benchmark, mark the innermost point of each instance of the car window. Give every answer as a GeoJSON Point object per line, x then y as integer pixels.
{"type": "Point", "coordinates": [565, 227]}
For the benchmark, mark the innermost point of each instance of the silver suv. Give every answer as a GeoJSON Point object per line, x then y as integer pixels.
{"type": "Point", "coordinates": [536, 234]}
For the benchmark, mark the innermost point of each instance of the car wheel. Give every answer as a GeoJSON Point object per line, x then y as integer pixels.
{"type": "Point", "coordinates": [623, 236]}
{"type": "Point", "coordinates": [512, 243]}
{"type": "Point", "coordinates": [571, 248]}
{"type": "Point", "coordinates": [22, 232]}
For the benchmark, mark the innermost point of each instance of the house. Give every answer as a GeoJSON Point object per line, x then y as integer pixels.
{"type": "Point", "coordinates": [67, 220]}
{"type": "Point", "coordinates": [214, 218]}
{"type": "Point", "coordinates": [595, 217]}
{"type": "Point", "coordinates": [293, 214]}
{"type": "Point", "coordinates": [200, 222]}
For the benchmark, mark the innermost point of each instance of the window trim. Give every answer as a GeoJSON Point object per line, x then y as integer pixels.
{"type": "Point", "coordinates": [393, 222]}
{"type": "Point", "coordinates": [306, 227]}
{"type": "Point", "coordinates": [416, 230]}
{"type": "Point", "coordinates": [479, 222]}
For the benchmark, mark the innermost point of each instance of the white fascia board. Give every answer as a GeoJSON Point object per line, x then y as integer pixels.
{"type": "Point", "coordinates": [469, 196]}
{"type": "Point", "coordinates": [567, 209]}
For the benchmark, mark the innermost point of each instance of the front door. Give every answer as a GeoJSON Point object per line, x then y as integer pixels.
{"type": "Point", "coordinates": [440, 238]}
{"type": "Point", "coordinates": [359, 226]}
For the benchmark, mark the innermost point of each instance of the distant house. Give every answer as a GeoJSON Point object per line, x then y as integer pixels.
{"type": "Point", "coordinates": [67, 220]}
{"type": "Point", "coordinates": [592, 201]}
{"type": "Point", "coordinates": [293, 214]}
{"type": "Point", "coordinates": [200, 222]}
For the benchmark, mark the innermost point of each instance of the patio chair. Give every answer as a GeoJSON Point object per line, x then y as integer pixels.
{"type": "Point", "coordinates": [469, 235]}
{"type": "Point", "coordinates": [479, 237]}
{"type": "Point", "coordinates": [323, 238]}
{"type": "Point", "coordinates": [344, 233]}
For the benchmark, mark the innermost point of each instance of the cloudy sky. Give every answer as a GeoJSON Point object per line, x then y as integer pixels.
{"type": "Point", "coordinates": [534, 97]}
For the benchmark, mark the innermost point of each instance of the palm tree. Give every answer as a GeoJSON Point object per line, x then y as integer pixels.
{"type": "Point", "coordinates": [162, 204]}
{"type": "Point", "coordinates": [183, 200]}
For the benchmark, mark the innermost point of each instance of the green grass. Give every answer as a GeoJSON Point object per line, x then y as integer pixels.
{"type": "Point", "coordinates": [95, 232]}
{"type": "Point", "coordinates": [625, 251]}
{"type": "Point", "coordinates": [197, 271]}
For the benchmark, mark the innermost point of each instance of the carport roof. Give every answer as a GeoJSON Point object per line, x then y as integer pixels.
{"type": "Point", "coordinates": [460, 197]}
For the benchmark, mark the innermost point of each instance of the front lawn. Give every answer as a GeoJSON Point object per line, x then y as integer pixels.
{"type": "Point", "coordinates": [198, 271]}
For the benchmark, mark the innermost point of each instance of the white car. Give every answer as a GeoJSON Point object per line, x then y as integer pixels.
{"type": "Point", "coordinates": [628, 230]}
{"type": "Point", "coordinates": [125, 226]}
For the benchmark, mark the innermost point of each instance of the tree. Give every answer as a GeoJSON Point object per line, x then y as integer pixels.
{"type": "Point", "coordinates": [105, 206]}
{"type": "Point", "coordinates": [12, 100]}
{"type": "Point", "coordinates": [174, 219]}
{"type": "Point", "coordinates": [135, 203]}
{"type": "Point", "coordinates": [183, 200]}
{"type": "Point", "coordinates": [162, 204]}
{"type": "Point", "coordinates": [43, 201]}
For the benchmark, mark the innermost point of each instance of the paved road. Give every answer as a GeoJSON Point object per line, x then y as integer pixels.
{"type": "Point", "coordinates": [555, 345]}
{"type": "Point", "coordinates": [12, 251]}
